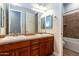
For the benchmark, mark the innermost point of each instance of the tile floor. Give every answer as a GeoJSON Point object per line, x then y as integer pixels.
{"type": "Point", "coordinates": [67, 52]}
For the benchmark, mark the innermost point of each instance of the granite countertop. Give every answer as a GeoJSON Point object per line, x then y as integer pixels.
{"type": "Point", "coordinates": [12, 39]}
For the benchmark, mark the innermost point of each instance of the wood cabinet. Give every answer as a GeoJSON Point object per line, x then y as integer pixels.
{"type": "Point", "coordinates": [34, 47]}
{"type": "Point", "coordinates": [51, 46]}
{"type": "Point", "coordinates": [35, 52]}
{"type": "Point", "coordinates": [42, 49]}
{"type": "Point", "coordinates": [15, 49]}
{"type": "Point", "coordinates": [25, 51]}
{"type": "Point", "coordinates": [46, 46]}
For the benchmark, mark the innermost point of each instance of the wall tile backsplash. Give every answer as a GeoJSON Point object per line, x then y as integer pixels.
{"type": "Point", "coordinates": [71, 25]}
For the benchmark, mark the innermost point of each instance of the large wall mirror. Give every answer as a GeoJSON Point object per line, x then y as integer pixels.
{"type": "Point", "coordinates": [47, 22]}
{"type": "Point", "coordinates": [1, 17]}
{"type": "Point", "coordinates": [43, 22]}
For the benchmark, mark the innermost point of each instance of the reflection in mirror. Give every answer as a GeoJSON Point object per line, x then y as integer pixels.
{"type": "Point", "coordinates": [43, 23]}
{"type": "Point", "coordinates": [20, 20]}
{"type": "Point", "coordinates": [1, 17]}
{"type": "Point", "coordinates": [14, 22]}
{"type": "Point", "coordinates": [47, 23]}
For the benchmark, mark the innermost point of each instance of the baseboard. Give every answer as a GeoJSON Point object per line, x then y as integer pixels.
{"type": "Point", "coordinates": [55, 54]}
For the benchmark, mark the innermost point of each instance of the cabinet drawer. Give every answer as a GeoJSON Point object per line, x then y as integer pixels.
{"type": "Point", "coordinates": [33, 47]}
{"type": "Point", "coordinates": [16, 45]}
{"type": "Point", "coordinates": [44, 40]}
{"type": "Point", "coordinates": [35, 41]}
{"type": "Point", "coordinates": [23, 51]}
{"type": "Point", "coordinates": [35, 52]}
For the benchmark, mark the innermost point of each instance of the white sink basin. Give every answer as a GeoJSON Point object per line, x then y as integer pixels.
{"type": "Point", "coordinates": [20, 37]}
{"type": "Point", "coordinates": [8, 38]}
{"type": "Point", "coordinates": [38, 34]}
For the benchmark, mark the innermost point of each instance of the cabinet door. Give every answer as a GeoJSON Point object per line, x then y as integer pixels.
{"type": "Point", "coordinates": [51, 46]}
{"type": "Point", "coordinates": [42, 49]}
{"type": "Point", "coordinates": [46, 48]}
{"type": "Point", "coordinates": [23, 51]}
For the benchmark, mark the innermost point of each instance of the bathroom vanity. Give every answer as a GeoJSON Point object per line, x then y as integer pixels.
{"type": "Point", "coordinates": [32, 45]}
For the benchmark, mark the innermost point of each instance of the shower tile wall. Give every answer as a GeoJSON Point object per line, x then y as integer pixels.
{"type": "Point", "coordinates": [71, 25]}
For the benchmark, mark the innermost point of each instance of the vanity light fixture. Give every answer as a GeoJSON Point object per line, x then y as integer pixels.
{"type": "Point", "coordinates": [39, 8]}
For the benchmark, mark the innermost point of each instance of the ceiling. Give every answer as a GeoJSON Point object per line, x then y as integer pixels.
{"type": "Point", "coordinates": [30, 5]}
{"type": "Point", "coordinates": [48, 6]}
{"type": "Point", "coordinates": [37, 7]}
